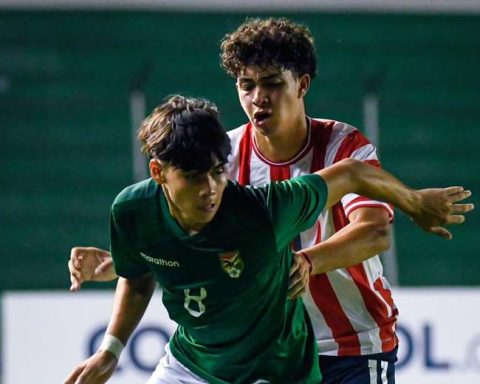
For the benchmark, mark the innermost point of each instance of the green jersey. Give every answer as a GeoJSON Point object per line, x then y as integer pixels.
{"type": "Point", "coordinates": [226, 286]}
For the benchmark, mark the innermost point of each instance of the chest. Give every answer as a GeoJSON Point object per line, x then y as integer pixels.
{"type": "Point", "coordinates": [226, 259]}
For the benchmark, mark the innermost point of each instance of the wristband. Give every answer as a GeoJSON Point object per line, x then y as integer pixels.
{"type": "Point", "coordinates": [112, 344]}
{"type": "Point", "coordinates": [307, 258]}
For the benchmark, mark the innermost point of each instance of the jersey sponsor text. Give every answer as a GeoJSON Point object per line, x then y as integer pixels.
{"type": "Point", "coordinates": [160, 261]}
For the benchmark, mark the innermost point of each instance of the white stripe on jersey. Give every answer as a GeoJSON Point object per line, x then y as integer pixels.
{"type": "Point", "coordinates": [361, 294]}
{"type": "Point", "coordinates": [336, 139]}
{"type": "Point", "coordinates": [261, 177]}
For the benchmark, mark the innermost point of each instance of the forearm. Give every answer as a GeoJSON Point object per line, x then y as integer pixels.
{"type": "Point", "coordinates": [349, 176]}
{"type": "Point", "coordinates": [351, 245]}
{"type": "Point", "coordinates": [131, 300]}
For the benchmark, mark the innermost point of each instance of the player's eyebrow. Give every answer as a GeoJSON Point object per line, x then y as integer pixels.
{"type": "Point", "coordinates": [262, 78]}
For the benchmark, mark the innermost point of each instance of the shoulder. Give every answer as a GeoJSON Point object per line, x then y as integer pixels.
{"type": "Point", "coordinates": [135, 194]}
{"type": "Point", "coordinates": [237, 134]}
{"type": "Point", "coordinates": [344, 141]}
{"type": "Point", "coordinates": [243, 196]}
{"type": "Point", "coordinates": [258, 196]}
{"type": "Point", "coordinates": [337, 129]}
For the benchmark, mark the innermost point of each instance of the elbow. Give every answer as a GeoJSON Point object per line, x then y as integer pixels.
{"type": "Point", "coordinates": [382, 238]}
{"type": "Point", "coordinates": [351, 165]}
{"type": "Point", "coordinates": [353, 168]}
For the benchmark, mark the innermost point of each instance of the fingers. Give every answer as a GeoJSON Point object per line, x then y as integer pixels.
{"type": "Point", "coordinates": [75, 272]}
{"type": "Point", "coordinates": [105, 271]}
{"type": "Point", "coordinates": [455, 219]}
{"type": "Point", "coordinates": [295, 265]}
{"type": "Point", "coordinates": [454, 190]}
{"type": "Point", "coordinates": [297, 284]}
{"type": "Point", "coordinates": [299, 277]}
{"type": "Point", "coordinates": [454, 197]}
{"type": "Point", "coordinates": [75, 285]}
{"type": "Point", "coordinates": [296, 291]}
{"type": "Point", "coordinates": [104, 266]}
{"type": "Point", "coordinates": [85, 377]}
{"type": "Point", "coordinates": [458, 208]}
{"type": "Point", "coordinates": [440, 231]}
{"type": "Point", "coordinates": [462, 208]}
{"type": "Point", "coordinates": [72, 378]}
{"type": "Point", "coordinates": [296, 278]}
{"type": "Point", "coordinates": [75, 277]}
{"type": "Point", "coordinates": [76, 257]}
{"type": "Point", "coordinates": [103, 253]}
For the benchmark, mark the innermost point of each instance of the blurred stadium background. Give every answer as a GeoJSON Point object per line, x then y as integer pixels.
{"type": "Point", "coordinates": [69, 71]}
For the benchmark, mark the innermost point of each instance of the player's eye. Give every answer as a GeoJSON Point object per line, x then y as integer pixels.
{"type": "Point", "coordinates": [192, 176]}
{"type": "Point", "coordinates": [246, 86]}
{"type": "Point", "coordinates": [273, 84]}
{"type": "Point", "coordinates": [219, 171]}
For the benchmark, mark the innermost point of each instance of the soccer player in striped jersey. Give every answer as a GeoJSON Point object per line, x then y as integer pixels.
{"type": "Point", "coordinates": [221, 253]}
{"type": "Point", "coordinates": [352, 310]}
{"type": "Point", "coordinates": [348, 298]}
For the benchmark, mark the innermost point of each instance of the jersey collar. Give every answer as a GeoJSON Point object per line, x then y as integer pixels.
{"type": "Point", "coordinates": [303, 151]}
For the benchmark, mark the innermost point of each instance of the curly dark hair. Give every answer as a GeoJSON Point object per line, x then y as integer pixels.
{"type": "Point", "coordinates": [268, 42]}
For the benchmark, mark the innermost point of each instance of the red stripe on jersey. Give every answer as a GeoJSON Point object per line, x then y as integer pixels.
{"type": "Point", "coordinates": [318, 237]}
{"type": "Point", "coordinates": [279, 173]}
{"type": "Point", "coordinates": [365, 202]}
{"type": "Point", "coordinates": [376, 307]}
{"type": "Point", "coordinates": [375, 163]}
{"type": "Point", "coordinates": [324, 297]}
{"type": "Point", "coordinates": [352, 142]}
{"type": "Point", "coordinates": [245, 153]}
{"type": "Point", "coordinates": [338, 216]}
{"type": "Point", "coordinates": [386, 294]}
{"type": "Point", "coordinates": [321, 132]}
{"type": "Point", "coordinates": [320, 288]}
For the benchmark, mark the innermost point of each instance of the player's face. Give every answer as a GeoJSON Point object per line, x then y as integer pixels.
{"type": "Point", "coordinates": [193, 197]}
{"type": "Point", "coordinates": [272, 98]}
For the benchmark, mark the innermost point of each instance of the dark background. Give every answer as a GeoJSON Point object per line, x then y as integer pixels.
{"type": "Point", "coordinates": [65, 146]}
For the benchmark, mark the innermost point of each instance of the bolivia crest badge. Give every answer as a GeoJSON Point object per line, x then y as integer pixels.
{"type": "Point", "coordinates": [232, 263]}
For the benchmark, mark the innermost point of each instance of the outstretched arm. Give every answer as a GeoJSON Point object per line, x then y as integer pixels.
{"type": "Point", "coordinates": [430, 209]}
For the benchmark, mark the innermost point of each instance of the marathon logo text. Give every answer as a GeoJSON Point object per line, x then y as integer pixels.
{"type": "Point", "coordinates": [160, 261]}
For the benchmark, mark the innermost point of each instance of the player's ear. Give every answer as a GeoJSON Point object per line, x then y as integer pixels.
{"type": "Point", "coordinates": [157, 170]}
{"type": "Point", "coordinates": [303, 84]}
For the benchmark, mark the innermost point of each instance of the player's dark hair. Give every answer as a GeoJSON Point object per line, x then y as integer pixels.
{"type": "Point", "coordinates": [276, 42]}
{"type": "Point", "coordinates": [185, 133]}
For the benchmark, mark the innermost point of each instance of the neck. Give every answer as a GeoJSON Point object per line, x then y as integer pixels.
{"type": "Point", "coordinates": [286, 144]}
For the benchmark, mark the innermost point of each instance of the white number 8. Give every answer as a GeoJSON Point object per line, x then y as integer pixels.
{"type": "Point", "coordinates": [197, 299]}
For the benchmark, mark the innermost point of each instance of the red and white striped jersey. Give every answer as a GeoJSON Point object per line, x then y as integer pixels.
{"type": "Point", "coordinates": [351, 309]}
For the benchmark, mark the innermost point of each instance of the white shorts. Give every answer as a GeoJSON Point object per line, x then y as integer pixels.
{"type": "Point", "coordinates": [170, 371]}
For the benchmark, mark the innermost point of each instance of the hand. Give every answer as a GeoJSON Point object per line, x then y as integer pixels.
{"type": "Point", "coordinates": [89, 264]}
{"type": "Point", "coordinates": [437, 207]}
{"type": "Point", "coordinates": [97, 369]}
{"type": "Point", "coordinates": [299, 276]}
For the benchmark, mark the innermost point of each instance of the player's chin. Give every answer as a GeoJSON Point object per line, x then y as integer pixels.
{"type": "Point", "coordinates": [266, 128]}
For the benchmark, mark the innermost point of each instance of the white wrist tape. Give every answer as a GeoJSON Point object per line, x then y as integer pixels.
{"type": "Point", "coordinates": [112, 344]}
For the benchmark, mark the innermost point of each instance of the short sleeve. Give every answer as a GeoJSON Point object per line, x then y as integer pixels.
{"type": "Point", "coordinates": [294, 205]}
{"type": "Point", "coordinates": [128, 262]}
{"type": "Point", "coordinates": [361, 149]}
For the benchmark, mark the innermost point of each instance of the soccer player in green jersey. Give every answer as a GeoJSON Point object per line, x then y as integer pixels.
{"type": "Point", "coordinates": [221, 253]}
